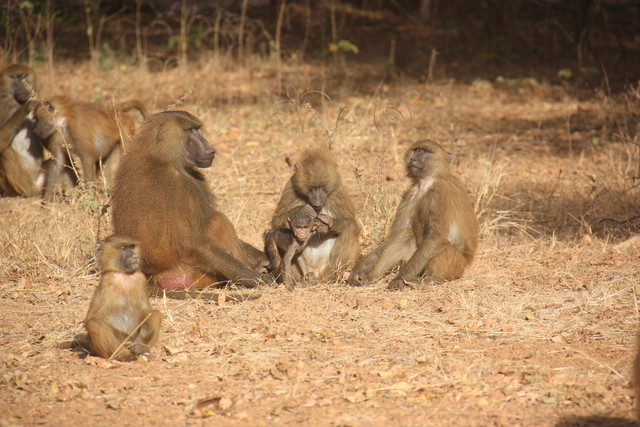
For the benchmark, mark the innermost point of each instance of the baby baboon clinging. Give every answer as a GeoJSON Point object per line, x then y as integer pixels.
{"type": "Point", "coordinates": [435, 231]}
{"type": "Point", "coordinates": [92, 132]}
{"type": "Point", "coordinates": [119, 308]}
{"type": "Point", "coordinates": [163, 201]}
{"type": "Point", "coordinates": [283, 245]}
{"type": "Point", "coordinates": [315, 187]}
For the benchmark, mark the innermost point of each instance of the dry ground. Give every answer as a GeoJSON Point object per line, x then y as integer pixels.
{"type": "Point", "coordinates": [539, 331]}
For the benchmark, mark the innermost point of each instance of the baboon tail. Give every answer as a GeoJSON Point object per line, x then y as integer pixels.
{"type": "Point", "coordinates": [133, 104]}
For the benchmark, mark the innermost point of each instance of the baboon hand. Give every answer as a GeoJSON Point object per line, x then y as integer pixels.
{"type": "Point", "coordinates": [325, 219]}
{"type": "Point", "coordinates": [357, 278]}
{"type": "Point", "coordinates": [396, 284]}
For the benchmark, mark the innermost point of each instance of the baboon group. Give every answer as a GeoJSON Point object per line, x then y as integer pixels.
{"type": "Point", "coordinates": [168, 233]}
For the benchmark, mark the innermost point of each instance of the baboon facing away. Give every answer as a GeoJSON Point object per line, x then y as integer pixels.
{"type": "Point", "coordinates": [162, 200]}
{"type": "Point", "coordinates": [119, 309]}
{"type": "Point", "coordinates": [316, 188]}
{"type": "Point", "coordinates": [92, 132]}
{"type": "Point", "coordinates": [434, 232]}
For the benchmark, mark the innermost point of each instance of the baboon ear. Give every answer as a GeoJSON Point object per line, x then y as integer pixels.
{"type": "Point", "coordinates": [158, 132]}
{"type": "Point", "coordinates": [449, 157]}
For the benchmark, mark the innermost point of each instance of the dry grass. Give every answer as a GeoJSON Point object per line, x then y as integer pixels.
{"type": "Point", "coordinates": [539, 331]}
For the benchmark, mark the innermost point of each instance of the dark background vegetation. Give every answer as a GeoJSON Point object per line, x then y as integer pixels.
{"type": "Point", "coordinates": [587, 43]}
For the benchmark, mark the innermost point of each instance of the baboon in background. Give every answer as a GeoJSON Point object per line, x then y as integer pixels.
{"type": "Point", "coordinates": [291, 241]}
{"type": "Point", "coordinates": [163, 201]}
{"type": "Point", "coordinates": [120, 305]}
{"type": "Point", "coordinates": [21, 151]}
{"type": "Point", "coordinates": [15, 101]}
{"type": "Point", "coordinates": [315, 187]}
{"type": "Point", "coordinates": [22, 166]}
{"type": "Point", "coordinates": [435, 231]}
{"type": "Point", "coordinates": [91, 131]}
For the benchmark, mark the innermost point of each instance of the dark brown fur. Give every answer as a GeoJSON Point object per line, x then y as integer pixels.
{"type": "Point", "coordinates": [316, 188]}
{"type": "Point", "coordinates": [162, 200]}
{"type": "Point", "coordinates": [92, 132]}
{"type": "Point", "coordinates": [120, 304]}
{"type": "Point", "coordinates": [21, 152]}
{"type": "Point", "coordinates": [435, 231]}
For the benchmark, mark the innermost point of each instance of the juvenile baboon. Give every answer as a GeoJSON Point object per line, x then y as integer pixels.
{"type": "Point", "coordinates": [434, 232]}
{"type": "Point", "coordinates": [163, 201]}
{"type": "Point", "coordinates": [315, 187]}
{"type": "Point", "coordinates": [21, 152]}
{"type": "Point", "coordinates": [119, 311]}
{"type": "Point", "coordinates": [92, 132]}
{"type": "Point", "coordinates": [282, 245]}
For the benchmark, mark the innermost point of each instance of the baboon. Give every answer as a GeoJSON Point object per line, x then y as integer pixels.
{"type": "Point", "coordinates": [15, 101]}
{"type": "Point", "coordinates": [434, 232]}
{"type": "Point", "coordinates": [22, 166]}
{"type": "Point", "coordinates": [92, 132]}
{"type": "Point", "coordinates": [291, 241]}
{"type": "Point", "coordinates": [163, 201]}
{"type": "Point", "coordinates": [315, 187]}
{"type": "Point", "coordinates": [120, 321]}
{"type": "Point", "coordinates": [21, 152]}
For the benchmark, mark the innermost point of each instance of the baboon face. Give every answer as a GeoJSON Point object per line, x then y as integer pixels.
{"type": "Point", "coordinates": [419, 163]}
{"type": "Point", "coordinates": [301, 224]}
{"type": "Point", "coordinates": [18, 87]}
{"type": "Point", "coordinates": [199, 153]}
{"type": "Point", "coordinates": [129, 259]}
{"type": "Point", "coordinates": [426, 157]}
{"type": "Point", "coordinates": [317, 197]}
{"type": "Point", "coordinates": [118, 254]}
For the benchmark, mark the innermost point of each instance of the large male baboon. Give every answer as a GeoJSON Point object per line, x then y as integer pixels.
{"type": "Point", "coordinates": [164, 202]}
{"type": "Point", "coordinates": [316, 188]}
{"type": "Point", "coordinates": [434, 232]}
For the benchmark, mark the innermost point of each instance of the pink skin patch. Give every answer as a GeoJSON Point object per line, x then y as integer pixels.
{"type": "Point", "coordinates": [175, 282]}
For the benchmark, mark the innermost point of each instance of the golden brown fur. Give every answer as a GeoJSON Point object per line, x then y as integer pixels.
{"type": "Point", "coordinates": [93, 132]}
{"type": "Point", "coordinates": [162, 200]}
{"type": "Point", "coordinates": [435, 231]}
{"type": "Point", "coordinates": [316, 188]}
{"type": "Point", "coordinates": [120, 304]}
